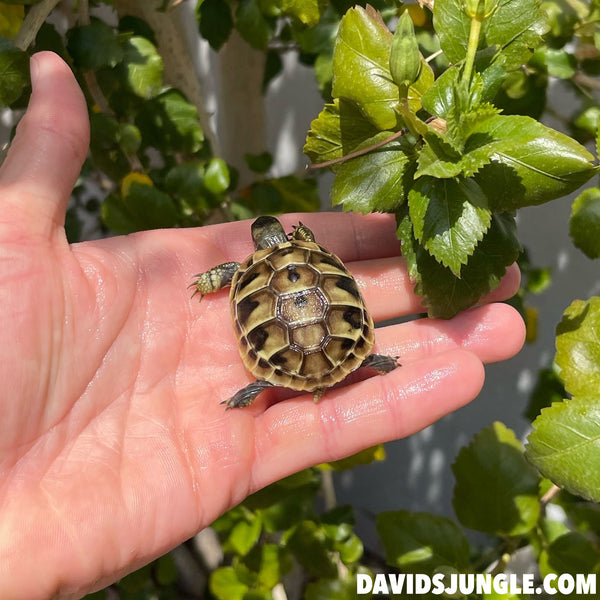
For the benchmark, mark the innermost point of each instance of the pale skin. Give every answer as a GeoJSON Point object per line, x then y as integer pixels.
{"type": "Point", "coordinates": [114, 447]}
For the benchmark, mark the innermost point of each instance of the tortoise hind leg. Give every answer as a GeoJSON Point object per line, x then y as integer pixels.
{"type": "Point", "coordinates": [381, 363]}
{"type": "Point", "coordinates": [246, 396]}
{"type": "Point", "coordinates": [215, 279]}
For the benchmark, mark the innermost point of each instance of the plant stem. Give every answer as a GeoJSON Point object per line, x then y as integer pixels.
{"type": "Point", "coordinates": [471, 50]}
{"type": "Point", "coordinates": [361, 152]}
{"type": "Point", "coordinates": [33, 21]}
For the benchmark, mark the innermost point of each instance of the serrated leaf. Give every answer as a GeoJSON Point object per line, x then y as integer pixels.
{"type": "Point", "coordinates": [253, 26]}
{"type": "Point", "coordinates": [225, 585]}
{"type": "Point", "coordinates": [95, 45]}
{"type": "Point", "coordinates": [496, 489]}
{"type": "Point", "coordinates": [14, 72]}
{"type": "Point", "coordinates": [142, 67]}
{"type": "Point", "coordinates": [421, 542]}
{"type": "Point", "coordinates": [532, 163]}
{"type": "Point", "coordinates": [578, 347]}
{"type": "Point", "coordinates": [361, 66]}
{"type": "Point", "coordinates": [215, 22]}
{"type": "Point", "coordinates": [584, 226]}
{"type": "Point", "coordinates": [338, 130]}
{"type": "Point", "coordinates": [373, 182]}
{"type": "Point", "coordinates": [450, 217]}
{"type": "Point", "coordinates": [444, 294]}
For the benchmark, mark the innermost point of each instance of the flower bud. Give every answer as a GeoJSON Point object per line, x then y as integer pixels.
{"type": "Point", "coordinates": [480, 9]}
{"type": "Point", "coordinates": [405, 58]}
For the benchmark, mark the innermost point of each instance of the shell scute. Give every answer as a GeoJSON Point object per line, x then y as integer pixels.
{"type": "Point", "coordinates": [301, 316]}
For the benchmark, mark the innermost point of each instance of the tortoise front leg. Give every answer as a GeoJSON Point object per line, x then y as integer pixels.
{"type": "Point", "coordinates": [381, 363]}
{"type": "Point", "coordinates": [215, 279]}
{"type": "Point", "coordinates": [246, 396]}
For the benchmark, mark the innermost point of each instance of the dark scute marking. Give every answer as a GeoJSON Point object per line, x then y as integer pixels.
{"type": "Point", "coordinates": [354, 317]}
{"type": "Point", "coordinates": [278, 359]}
{"type": "Point", "coordinates": [257, 337]}
{"type": "Point", "coordinates": [248, 279]}
{"type": "Point", "coordinates": [360, 343]}
{"type": "Point", "coordinates": [263, 364]}
{"type": "Point", "coordinates": [347, 343]}
{"type": "Point", "coordinates": [278, 372]}
{"type": "Point", "coordinates": [286, 251]}
{"type": "Point", "coordinates": [243, 341]}
{"type": "Point", "coordinates": [252, 354]}
{"type": "Point", "coordinates": [366, 329]}
{"type": "Point", "coordinates": [348, 285]}
{"type": "Point", "coordinates": [300, 300]}
{"type": "Point", "coordinates": [293, 274]}
{"type": "Point", "coordinates": [332, 262]}
{"type": "Point", "coordinates": [245, 308]}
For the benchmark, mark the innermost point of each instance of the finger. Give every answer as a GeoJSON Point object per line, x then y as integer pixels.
{"type": "Point", "coordinates": [351, 236]}
{"type": "Point", "coordinates": [389, 291]}
{"type": "Point", "coordinates": [46, 155]}
{"type": "Point", "coordinates": [492, 332]}
{"type": "Point", "coordinates": [379, 409]}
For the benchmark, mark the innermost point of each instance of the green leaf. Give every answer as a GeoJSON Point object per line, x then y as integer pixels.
{"type": "Point", "coordinates": [216, 177]}
{"type": "Point", "coordinates": [253, 26]}
{"type": "Point", "coordinates": [225, 585]}
{"type": "Point", "coordinates": [270, 562]}
{"type": "Point", "coordinates": [374, 181]}
{"type": "Point", "coordinates": [547, 390]}
{"type": "Point", "coordinates": [452, 26]}
{"type": "Point", "coordinates": [338, 130]}
{"type": "Point", "coordinates": [332, 589]}
{"type": "Point", "coordinates": [244, 534]}
{"type": "Point", "coordinates": [364, 457]}
{"type": "Point", "coordinates": [557, 62]}
{"type": "Point", "coordinates": [532, 163]}
{"type": "Point", "coordinates": [259, 163]}
{"type": "Point", "coordinates": [565, 441]}
{"type": "Point", "coordinates": [361, 66]}
{"type": "Point", "coordinates": [142, 67]}
{"type": "Point", "coordinates": [450, 217]}
{"type": "Point", "coordinates": [14, 72]}
{"type": "Point", "coordinates": [496, 489]}
{"type": "Point", "coordinates": [165, 571]}
{"type": "Point", "coordinates": [150, 207]}
{"type": "Point", "coordinates": [306, 11]}
{"type": "Point", "coordinates": [515, 27]}
{"type": "Point", "coordinates": [95, 45]}
{"type": "Point", "coordinates": [578, 347]}
{"type": "Point", "coordinates": [170, 122]}
{"type": "Point", "coordinates": [572, 553]}
{"type": "Point", "coordinates": [215, 21]}
{"type": "Point", "coordinates": [584, 225]}
{"type": "Point", "coordinates": [312, 549]}
{"type": "Point", "coordinates": [284, 194]}
{"type": "Point", "coordinates": [443, 293]}
{"type": "Point", "coordinates": [421, 542]}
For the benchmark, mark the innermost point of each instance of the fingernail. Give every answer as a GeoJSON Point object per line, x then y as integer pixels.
{"type": "Point", "coordinates": [34, 69]}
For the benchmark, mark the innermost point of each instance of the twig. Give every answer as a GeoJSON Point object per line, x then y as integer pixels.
{"type": "Point", "coordinates": [357, 153]}
{"type": "Point", "coordinates": [33, 21]}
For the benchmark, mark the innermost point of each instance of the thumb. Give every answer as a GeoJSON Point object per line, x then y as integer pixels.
{"type": "Point", "coordinates": [46, 155]}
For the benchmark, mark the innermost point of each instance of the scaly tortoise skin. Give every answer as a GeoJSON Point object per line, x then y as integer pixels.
{"type": "Point", "coordinates": [298, 315]}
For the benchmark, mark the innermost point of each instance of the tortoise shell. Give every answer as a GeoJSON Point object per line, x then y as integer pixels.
{"type": "Point", "coordinates": [300, 319]}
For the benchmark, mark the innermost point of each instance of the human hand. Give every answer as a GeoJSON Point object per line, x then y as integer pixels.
{"type": "Point", "coordinates": [113, 445]}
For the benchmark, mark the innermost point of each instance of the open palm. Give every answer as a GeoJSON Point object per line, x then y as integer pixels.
{"type": "Point", "coordinates": [113, 445]}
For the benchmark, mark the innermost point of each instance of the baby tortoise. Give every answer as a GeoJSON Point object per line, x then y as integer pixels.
{"type": "Point", "coordinates": [299, 317]}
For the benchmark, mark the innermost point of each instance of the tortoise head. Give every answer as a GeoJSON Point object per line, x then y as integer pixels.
{"type": "Point", "coordinates": [267, 232]}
